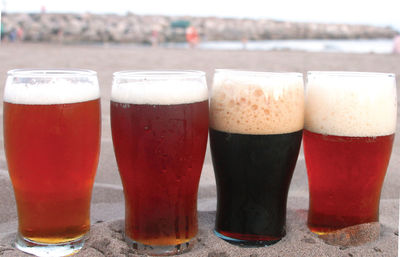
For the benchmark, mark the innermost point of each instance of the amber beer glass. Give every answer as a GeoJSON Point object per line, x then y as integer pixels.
{"type": "Point", "coordinates": [159, 124]}
{"type": "Point", "coordinates": [350, 121]}
{"type": "Point", "coordinates": [256, 126]}
{"type": "Point", "coordinates": [52, 141]}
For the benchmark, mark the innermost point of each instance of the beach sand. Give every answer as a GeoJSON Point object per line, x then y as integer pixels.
{"type": "Point", "coordinates": [107, 211]}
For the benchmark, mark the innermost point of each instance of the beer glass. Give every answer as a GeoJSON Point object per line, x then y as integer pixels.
{"type": "Point", "coordinates": [159, 122]}
{"type": "Point", "coordinates": [256, 125]}
{"type": "Point", "coordinates": [350, 121]}
{"type": "Point", "coordinates": [52, 141]}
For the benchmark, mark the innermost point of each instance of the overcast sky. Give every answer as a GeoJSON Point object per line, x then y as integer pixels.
{"type": "Point", "coordinates": [374, 12]}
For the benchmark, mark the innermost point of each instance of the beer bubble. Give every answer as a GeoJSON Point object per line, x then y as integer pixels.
{"type": "Point", "coordinates": [162, 92]}
{"type": "Point", "coordinates": [351, 104]}
{"type": "Point", "coordinates": [62, 92]}
{"type": "Point", "coordinates": [265, 103]}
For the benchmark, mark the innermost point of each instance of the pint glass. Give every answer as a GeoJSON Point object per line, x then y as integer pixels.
{"type": "Point", "coordinates": [159, 124]}
{"type": "Point", "coordinates": [350, 121]}
{"type": "Point", "coordinates": [52, 141]}
{"type": "Point", "coordinates": [256, 125]}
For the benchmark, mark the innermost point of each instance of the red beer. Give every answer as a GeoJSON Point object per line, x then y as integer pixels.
{"type": "Point", "coordinates": [159, 124]}
{"type": "Point", "coordinates": [52, 124]}
{"type": "Point", "coordinates": [360, 161]}
{"type": "Point", "coordinates": [350, 121]}
{"type": "Point", "coordinates": [52, 154]}
{"type": "Point", "coordinates": [160, 152]}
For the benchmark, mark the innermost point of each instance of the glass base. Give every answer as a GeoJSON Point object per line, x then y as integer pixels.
{"type": "Point", "coordinates": [160, 250]}
{"type": "Point", "coordinates": [49, 250]}
{"type": "Point", "coordinates": [246, 243]}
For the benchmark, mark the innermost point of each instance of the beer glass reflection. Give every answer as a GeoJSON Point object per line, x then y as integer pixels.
{"type": "Point", "coordinates": [159, 126]}
{"type": "Point", "coordinates": [350, 122]}
{"type": "Point", "coordinates": [52, 142]}
{"type": "Point", "coordinates": [256, 123]}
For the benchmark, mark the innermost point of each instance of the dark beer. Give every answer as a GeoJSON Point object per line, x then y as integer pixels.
{"type": "Point", "coordinates": [349, 131]}
{"type": "Point", "coordinates": [159, 124]}
{"type": "Point", "coordinates": [255, 135]}
{"type": "Point", "coordinates": [253, 174]}
{"type": "Point", "coordinates": [52, 130]}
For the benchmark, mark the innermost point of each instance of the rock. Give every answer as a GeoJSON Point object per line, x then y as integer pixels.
{"type": "Point", "coordinates": [131, 28]}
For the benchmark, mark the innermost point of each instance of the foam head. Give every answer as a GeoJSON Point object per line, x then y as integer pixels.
{"type": "Point", "coordinates": [247, 102]}
{"type": "Point", "coordinates": [162, 88]}
{"type": "Point", "coordinates": [44, 87]}
{"type": "Point", "coordinates": [351, 103]}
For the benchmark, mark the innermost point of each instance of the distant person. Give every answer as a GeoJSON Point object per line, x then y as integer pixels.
{"type": "Point", "coordinates": [12, 36]}
{"type": "Point", "coordinates": [154, 38]}
{"type": "Point", "coordinates": [192, 37]}
{"type": "Point", "coordinates": [3, 34]}
{"type": "Point", "coordinates": [396, 44]}
{"type": "Point", "coordinates": [244, 43]}
{"type": "Point", "coordinates": [20, 34]}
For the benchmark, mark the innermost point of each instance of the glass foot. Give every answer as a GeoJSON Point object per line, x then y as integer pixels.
{"type": "Point", "coordinates": [160, 250]}
{"type": "Point", "coordinates": [49, 250]}
{"type": "Point", "coordinates": [247, 243]}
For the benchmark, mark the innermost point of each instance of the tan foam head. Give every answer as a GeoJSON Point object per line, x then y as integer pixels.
{"type": "Point", "coordinates": [257, 102]}
{"type": "Point", "coordinates": [351, 103]}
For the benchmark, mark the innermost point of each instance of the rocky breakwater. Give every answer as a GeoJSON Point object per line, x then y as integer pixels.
{"type": "Point", "coordinates": [131, 28]}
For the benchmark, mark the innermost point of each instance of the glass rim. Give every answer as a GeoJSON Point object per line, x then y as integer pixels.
{"type": "Point", "coordinates": [50, 73]}
{"type": "Point", "coordinates": [354, 74]}
{"type": "Point", "coordinates": [261, 73]}
{"type": "Point", "coordinates": [159, 74]}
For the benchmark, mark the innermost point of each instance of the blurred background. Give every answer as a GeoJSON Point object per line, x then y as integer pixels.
{"type": "Point", "coordinates": [308, 25]}
{"type": "Point", "coordinates": [295, 36]}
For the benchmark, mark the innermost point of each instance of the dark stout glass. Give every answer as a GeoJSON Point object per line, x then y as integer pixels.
{"type": "Point", "coordinates": [255, 135]}
{"type": "Point", "coordinates": [253, 174]}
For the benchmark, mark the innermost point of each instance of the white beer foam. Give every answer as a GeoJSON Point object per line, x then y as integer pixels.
{"type": "Point", "coordinates": [163, 92]}
{"type": "Point", "coordinates": [356, 105]}
{"type": "Point", "coordinates": [257, 102]}
{"type": "Point", "coordinates": [57, 91]}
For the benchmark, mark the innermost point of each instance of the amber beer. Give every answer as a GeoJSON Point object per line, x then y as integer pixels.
{"type": "Point", "coordinates": [349, 131]}
{"type": "Point", "coordinates": [159, 126]}
{"type": "Point", "coordinates": [256, 123]}
{"type": "Point", "coordinates": [52, 142]}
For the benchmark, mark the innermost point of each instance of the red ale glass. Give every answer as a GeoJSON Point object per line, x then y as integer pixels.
{"type": "Point", "coordinates": [349, 131]}
{"type": "Point", "coordinates": [52, 142]}
{"type": "Point", "coordinates": [159, 126]}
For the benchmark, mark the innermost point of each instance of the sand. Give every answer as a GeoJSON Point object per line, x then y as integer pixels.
{"type": "Point", "coordinates": [107, 211]}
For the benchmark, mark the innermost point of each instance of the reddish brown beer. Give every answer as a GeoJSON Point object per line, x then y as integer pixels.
{"type": "Point", "coordinates": [52, 153]}
{"type": "Point", "coordinates": [334, 203]}
{"type": "Point", "coordinates": [159, 123]}
{"type": "Point", "coordinates": [350, 123]}
{"type": "Point", "coordinates": [160, 152]}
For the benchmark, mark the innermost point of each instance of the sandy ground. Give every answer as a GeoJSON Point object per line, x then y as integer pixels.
{"type": "Point", "coordinates": [108, 203]}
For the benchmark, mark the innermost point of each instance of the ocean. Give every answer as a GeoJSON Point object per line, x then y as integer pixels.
{"type": "Point", "coordinates": [378, 46]}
